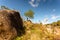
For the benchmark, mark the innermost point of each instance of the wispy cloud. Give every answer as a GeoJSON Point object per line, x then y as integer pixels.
{"type": "Point", "coordinates": [55, 17]}
{"type": "Point", "coordinates": [50, 19]}
{"type": "Point", "coordinates": [34, 3]}
{"type": "Point", "coordinates": [45, 20]}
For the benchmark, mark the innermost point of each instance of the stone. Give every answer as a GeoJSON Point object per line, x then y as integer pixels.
{"type": "Point", "coordinates": [11, 24]}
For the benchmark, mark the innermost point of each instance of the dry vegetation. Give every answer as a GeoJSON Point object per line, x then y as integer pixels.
{"type": "Point", "coordinates": [40, 31]}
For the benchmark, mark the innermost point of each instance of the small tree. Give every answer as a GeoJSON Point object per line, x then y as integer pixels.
{"type": "Point", "coordinates": [29, 14]}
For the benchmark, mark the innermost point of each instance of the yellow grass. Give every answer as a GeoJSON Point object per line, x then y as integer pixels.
{"type": "Point", "coordinates": [40, 32]}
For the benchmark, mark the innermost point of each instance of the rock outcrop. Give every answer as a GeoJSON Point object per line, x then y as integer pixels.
{"type": "Point", "coordinates": [11, 24]}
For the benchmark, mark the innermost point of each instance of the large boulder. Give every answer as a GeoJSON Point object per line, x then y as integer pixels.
{"type": "Point", "coordinates": [11, 24]}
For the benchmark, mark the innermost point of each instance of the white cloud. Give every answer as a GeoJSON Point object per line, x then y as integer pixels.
{"type": "Point", "coordinates": [50, 19]}
{"type": "Point", "coordinates": [34, 3]}
{"type": "Point", "coordinates": [32, 0]}
{"type": "Point", "coordinates": [45, 20]}
{"type": "Point", "coordinates": [55, 17]}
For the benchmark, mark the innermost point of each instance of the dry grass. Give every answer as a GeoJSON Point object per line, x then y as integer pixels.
{"type": "Point", "coordinates": [40, 32]}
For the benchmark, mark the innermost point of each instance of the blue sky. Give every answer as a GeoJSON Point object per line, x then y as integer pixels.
{"type": "Point", "coordinates": [46, 11]}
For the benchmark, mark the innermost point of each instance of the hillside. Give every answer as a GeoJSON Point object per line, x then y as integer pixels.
{"type": "Point", "coordinates": [41, 32]}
